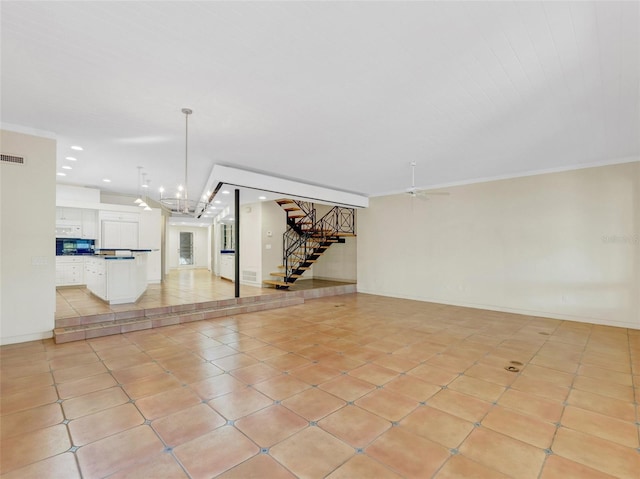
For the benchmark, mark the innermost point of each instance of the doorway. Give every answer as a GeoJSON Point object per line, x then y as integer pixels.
{"type": "Point", "coordinates": [186, 249]}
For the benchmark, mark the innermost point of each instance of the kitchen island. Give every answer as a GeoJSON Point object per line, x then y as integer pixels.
{"type": "Point", "coordinates": [117, 277]}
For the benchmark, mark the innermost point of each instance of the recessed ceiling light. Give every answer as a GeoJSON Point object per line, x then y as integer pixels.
{"type": "Point", "coordinates": [106, 180]}
{"type": "Point", "coordinates": [61, 174]}
{"type": "Point", "coordinates": [225, 192]}
{"type": "Point", "coordinates": [231, 219]}
{"type": "Point", "coordinates": [217, 202]}
{"type": "Point", "coordinates": [67, 167]}
{"type": "Point", "coordinates": [77, 148]}
{"type": "Point", "coordinates": [262, 197]}
{"type": "Point", "coordinates": [70, 158]}
{"type": "Point", "coordinates": [145, 186]}
{"type": "Point", "coordinates": [161, 189]}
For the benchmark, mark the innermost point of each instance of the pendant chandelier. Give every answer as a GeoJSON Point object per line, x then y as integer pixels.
{"type": "Point", "coordinates": [139, 201]}
{"type": "Point", "coordinates": [185, 203]}
{"type": "Point", "coordinates": [180, 204]}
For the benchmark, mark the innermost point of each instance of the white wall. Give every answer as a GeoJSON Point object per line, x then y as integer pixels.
{"type": "Point", "coordinates": [200, 246]}
{"type": "Point", "coordinates": [27, 239]}
{"type": "Point", "coordinates": [562, 245]}
{"type": "Point", "coordinates": [216, 232]}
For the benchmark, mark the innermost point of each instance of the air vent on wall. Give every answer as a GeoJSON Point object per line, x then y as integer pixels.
{"type": "Point", "coordinates": [13, 159]}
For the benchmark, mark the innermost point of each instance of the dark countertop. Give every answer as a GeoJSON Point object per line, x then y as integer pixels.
{"type": "Point", "coordinates": [123, 249]}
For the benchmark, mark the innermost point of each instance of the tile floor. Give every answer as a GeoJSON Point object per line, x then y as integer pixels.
{"type": "Point", "coordinates": [352, 386]}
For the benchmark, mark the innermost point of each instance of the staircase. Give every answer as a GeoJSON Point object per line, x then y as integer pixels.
{"type": "Point", "coordinates": [306, 238]}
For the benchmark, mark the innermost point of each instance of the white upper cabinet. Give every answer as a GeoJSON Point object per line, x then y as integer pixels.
{"type": "Point", "coordinates": [89, 224]}
{"type": "Point", "coordinates": [119, 230]}
{"type": "Point", "coordinates": [68, 215]}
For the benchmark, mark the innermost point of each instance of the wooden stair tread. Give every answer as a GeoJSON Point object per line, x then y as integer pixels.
{"type": "Point", "coordinates": [284, 275]}
{"type": "Point", "coordinates": [276, 283]}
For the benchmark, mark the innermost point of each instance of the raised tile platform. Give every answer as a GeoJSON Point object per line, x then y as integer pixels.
{"type": "Point", "coordinates": [105, 324]}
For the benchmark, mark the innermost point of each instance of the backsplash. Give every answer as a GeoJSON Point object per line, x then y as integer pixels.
{"type": "Point", "coordinates": [74, 246]}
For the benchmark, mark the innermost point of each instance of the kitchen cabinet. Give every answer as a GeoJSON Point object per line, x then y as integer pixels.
{"type": "Point", "coordinates": [94, 271]}
{"type": "Point", "coordinates": [228, 266]}
{"type": "Point", "coordinates": [89, 224]}
{"type": "Point", "coordinates": [119, 230]}
{"type": "Point", "coordinates": [69, 270]}
{"type": "Point", "coordinates": [68, 214]}
{"type": "Point", "coordinates": [119, 235]}
{"type": "Point", "coordinates": [76, 223]}
{"type": "Point", "coordinates": [117, 280]}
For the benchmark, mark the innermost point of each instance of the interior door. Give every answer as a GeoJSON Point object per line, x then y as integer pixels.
{"type": "Point", "coordinates": [186, 249]}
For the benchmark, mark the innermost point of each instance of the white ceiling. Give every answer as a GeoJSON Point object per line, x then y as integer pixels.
{"type": "Point", "coordinates": [338, 94]}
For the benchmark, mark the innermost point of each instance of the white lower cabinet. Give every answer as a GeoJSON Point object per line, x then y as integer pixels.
{"type": "Point", "coordinates": [228, 266]}
{"type": "Point", "coordinates": [117, 280]}
{"type": "Point", "coordinates": [94, 271]}
{"type": "Point", "coordinates": [69, 270]}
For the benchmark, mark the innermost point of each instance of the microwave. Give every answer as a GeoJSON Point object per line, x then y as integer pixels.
{"type": "Point", "coordinates": [69, 231]}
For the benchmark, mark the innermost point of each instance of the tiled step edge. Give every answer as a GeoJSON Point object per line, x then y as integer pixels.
{"type": "Point", "coordinates": [162, 318]}
{"type": "Point", "coordinates": [329, 291]}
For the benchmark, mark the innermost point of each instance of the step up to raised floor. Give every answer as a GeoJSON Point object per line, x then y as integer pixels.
{"type": "Point", "coordinates": [97, 325]}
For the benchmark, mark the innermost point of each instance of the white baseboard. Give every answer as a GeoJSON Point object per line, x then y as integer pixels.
{"type": "Point", "coordinates": [23, 338]}
{"type": "Point", "coordinates": [524, 312]}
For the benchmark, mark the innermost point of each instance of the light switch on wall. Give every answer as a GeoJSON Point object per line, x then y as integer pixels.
{"type": "Point", "coordinates": [267, 246]}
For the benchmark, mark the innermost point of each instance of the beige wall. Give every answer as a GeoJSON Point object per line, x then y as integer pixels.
{"type": "Point", "coordinates": [562, 245]}
{"type": "Point", "coordinates": [250, 253]}
{"type": "Point", "coordinates": [274, 222]}
{"type": "Point", "coordinates": [27, 239]}
{"type": "Point", "coordinates": [338, 263]}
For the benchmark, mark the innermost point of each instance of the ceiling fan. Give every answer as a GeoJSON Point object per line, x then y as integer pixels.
{"type": "Point", "coordinates": [414, 192]}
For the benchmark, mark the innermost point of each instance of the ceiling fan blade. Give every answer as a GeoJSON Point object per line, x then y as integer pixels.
{"type": "Point", "coordinates": [432, 193]}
